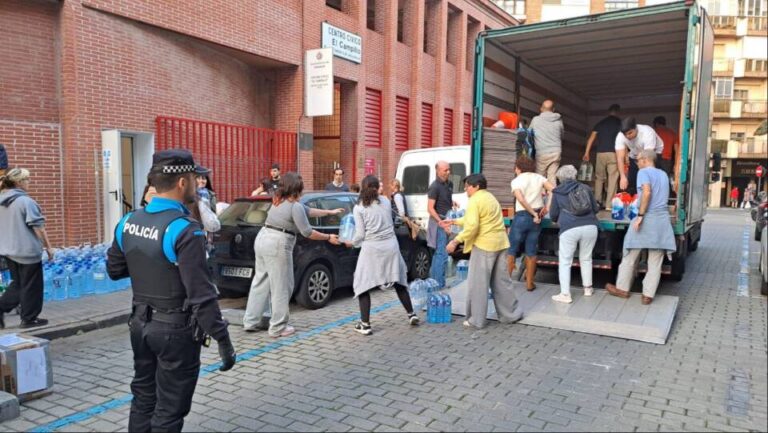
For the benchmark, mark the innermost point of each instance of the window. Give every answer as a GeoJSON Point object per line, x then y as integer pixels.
{"type": "Point", "coordinates": [512, 7]}
{"type": "Point", "coordinates": [336, 4]}
{"type": "Point", "coordinates": [328, 203]}
{"type": "Point", "coordinates": [458, 173]}
{"type": "Point", "coordinates": [402, 107]}
{"type": "Point", "coordinates": [738, 136]}
{"type": "Point", "coordinates": [400, 23]}
{"type": "Point", "coordinates": [431, 16]}
{"type": "Point", "coordinates": [448, 127]}
{"type": "Point", "coordinates": [426, 125]}
{"type": "Point", "coordinates": [246, 213]}
{"type": "Point", "coordinates": [416, 180]}
{"type": "Point", "coordinates": [371, 17]}
{"type": "Point", "coordinates": [372, 118]}
{"type": "Point", "coordinates": [723, 87]}
{"type": "Point", "coordinates": [453, 48]}
{"type": "Point", "coordinates": [755, 8]}
{"type": "Point", "coordinates": [473, 28]}
{"type": "Point", "coordinates": [741, 94]}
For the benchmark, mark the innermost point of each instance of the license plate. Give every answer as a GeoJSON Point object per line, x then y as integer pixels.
{"type": "Point", "coordinates": [233, 271]}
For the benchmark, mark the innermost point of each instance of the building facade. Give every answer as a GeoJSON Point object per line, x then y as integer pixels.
{"type": "Point", "coordinates": [90, 88]}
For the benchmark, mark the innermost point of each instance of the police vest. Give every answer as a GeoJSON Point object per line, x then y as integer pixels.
{"type": "Point", "coordinates": [394, 205]}
{"type": "Point", "coordinates": [155, 280]}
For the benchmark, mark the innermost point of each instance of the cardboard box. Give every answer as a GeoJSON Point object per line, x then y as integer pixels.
{"type": "Point", "coordinates": [25, 366]}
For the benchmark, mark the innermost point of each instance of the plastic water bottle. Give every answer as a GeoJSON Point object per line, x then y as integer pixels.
{"type": "Point", "coordinates": [413, 292]}
{"type": "Point", "coordinates": [450, 267]}
{"type": "Point", "coordinates": [634, 207]}
{"type": "Point", "coordinates": [617, 208]}
{"type": "Point", "coordinates": [432, 309]}
{"type": "Point", "coordinates": [99, 279]}
{"type": "Point", "coordinates": [462, 268]}
{"type": "Point", "coordinates": [59, 285]}
{"type": "Point", "coordinates": [448, 308]}
{"type": "Point", "coordinates": [48, 284]}
{"type": "Point", "coordinates": [347, 228]}
{"type": "Point", "coordinates": [456, 229]}
{"type": "Point", "coordinates": [75, 276]}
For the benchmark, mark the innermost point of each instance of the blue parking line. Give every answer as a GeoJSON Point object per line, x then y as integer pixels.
{"type": "Point", "coordinates": [206, 370]}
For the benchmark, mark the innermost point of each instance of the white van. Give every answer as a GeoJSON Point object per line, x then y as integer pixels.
{"type": "Point", "coordinates": [416, 171]}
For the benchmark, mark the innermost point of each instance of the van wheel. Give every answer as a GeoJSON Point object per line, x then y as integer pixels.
{"type": "Point", "coordinates": [315, 287]}
{"type": "Point", "coordinates": [678, 262]}
{"type": "Point", "coordinates": [420, 264]}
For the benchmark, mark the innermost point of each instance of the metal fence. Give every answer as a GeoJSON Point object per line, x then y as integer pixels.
{"type": "Point", "coordinates": [239, 155]}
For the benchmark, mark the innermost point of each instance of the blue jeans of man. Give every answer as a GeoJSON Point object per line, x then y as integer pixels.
{"type": "Point", "coordinates": [437, 270]}
{"type": "Point", "coordinates": [525, 233]}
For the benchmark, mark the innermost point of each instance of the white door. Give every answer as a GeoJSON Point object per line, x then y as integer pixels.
{"type": "Point", "coordinates": [111, 166]}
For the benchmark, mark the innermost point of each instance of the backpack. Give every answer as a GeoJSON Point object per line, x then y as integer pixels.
{"type": "Point", "coordinates": [579, 201]}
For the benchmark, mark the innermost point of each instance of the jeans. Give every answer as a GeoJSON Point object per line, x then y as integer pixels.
{"type": "Point", "coordinates": [525, 232]}
{"type": "Point", "coordinates": [272, 280]}
{"type": "Point", "coordinates": [584, 238]}
{"type": "Point", "coordinates": [437, 269]}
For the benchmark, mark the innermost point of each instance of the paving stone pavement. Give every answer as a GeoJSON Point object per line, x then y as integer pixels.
{"type": "Point", "coordinates": [710, 376]}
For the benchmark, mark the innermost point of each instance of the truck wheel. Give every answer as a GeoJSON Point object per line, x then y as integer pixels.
{"type": "Point", "coordinates": [315, 287]}
{"type": "Point", "coordinates": [757, 234]}
{"type": "Point", "coordinates": [678, 262]}
{"type": "Point", "coordinates": [764, 287]}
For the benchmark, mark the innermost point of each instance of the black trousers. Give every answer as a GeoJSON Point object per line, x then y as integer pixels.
{"type": "Point", "coordinates": [632, 176]}
{"type": "Point", "coordinates": [166, 363]}
{"type": "Point", "coordinates": [364, 299]}
{"type": "Point", "coordinates": [25, 290]}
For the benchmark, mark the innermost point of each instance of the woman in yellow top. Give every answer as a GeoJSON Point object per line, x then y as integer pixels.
{"type": "Point", "coordinates": [484, 235]}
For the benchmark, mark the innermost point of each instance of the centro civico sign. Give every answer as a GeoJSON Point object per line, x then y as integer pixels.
{"type": "Point", "coordinates": [343, 43]}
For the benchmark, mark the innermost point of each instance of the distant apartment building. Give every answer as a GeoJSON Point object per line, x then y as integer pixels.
{"type": "Point", "coordinates": [740, 76]}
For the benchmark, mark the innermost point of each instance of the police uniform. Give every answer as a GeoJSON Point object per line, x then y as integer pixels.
{"type": "Point", "coordinates": [174, 303]}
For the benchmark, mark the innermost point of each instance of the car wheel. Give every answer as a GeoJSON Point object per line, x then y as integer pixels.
{"type": "Point", "coordinates": [421, 263]}
{"type": "Point", "coordinates": [678, 262]}
{"type": "Point", "coordinates": [764, 287]}
{"type": "Point", "coordinates": [315, 287]}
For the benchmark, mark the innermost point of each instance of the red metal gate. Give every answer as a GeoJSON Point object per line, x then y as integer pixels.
{"type": "Point", "coordinates": [239, 155]}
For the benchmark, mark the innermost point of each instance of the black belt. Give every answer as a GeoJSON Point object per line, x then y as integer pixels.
{"type": "Point", "coordinates": [149, 313]}
{"type": "Point", "coordinates": [280, 229]}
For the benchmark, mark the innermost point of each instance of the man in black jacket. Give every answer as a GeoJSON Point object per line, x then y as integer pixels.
{"type": "Point", "coordinates": [175, 304]}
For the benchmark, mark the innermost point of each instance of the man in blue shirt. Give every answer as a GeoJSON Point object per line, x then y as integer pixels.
{"type": "Point", "coordinates": [175, 303]}
{"type": "Point", "coordinates": [650, 230]}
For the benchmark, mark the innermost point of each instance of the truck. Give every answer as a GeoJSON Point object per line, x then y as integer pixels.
{"type": "Point", "coordinates": [652, 61]}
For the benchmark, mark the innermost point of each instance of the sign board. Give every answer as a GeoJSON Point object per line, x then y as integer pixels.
{"type": "Point", "coordinates": [370, 166]}
{"type": "Point", "coordinates": [759, 171]}
{"type": "Point", "coordinates": [746, 167]}
{"type": "Point", "coordinates": [344, 44]}
{"type": "Point", "coordinates": [318, 82]}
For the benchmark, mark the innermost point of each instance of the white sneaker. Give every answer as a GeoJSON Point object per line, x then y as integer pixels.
{"type": "Point", "coordinates": [589, 291]}
{"type": "Point", "coordinates": [566, 299]}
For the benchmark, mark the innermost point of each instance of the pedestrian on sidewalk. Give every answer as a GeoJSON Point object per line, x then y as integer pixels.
{"type": "Point", "coordinates": [529, 188]}
{"type": "Point", "coordinates": [201, 208]}
{"type": "Point", "coordinates": [575, 209]}
{"type": "Point", "coordinates": [485, 236]}
{"type": "Point", "coordinates": [338, 184]}
{"type": "Point", "coordinates": [175, 303]}
{"type": "Point", "coordinates": [439, 202]}
{"type": "Point", "coordinates": [735, 197]}
{"type": "Point", "coordinates": [22, 244]}
{"type": "Point", "coordinates": [273, 271]}
{"type": "Point", "coordinates": [649, 230]}
{"type": "Point", "coordinates": [400, 208]}
{"type": "Point", "coordinates": [380, 263]}
{"type": "Point", "coordinates": [548, 133]}
{"type": "Point", "coordinates": [205, 187]}
{"type": "Point", "coordinates": [606, 171]}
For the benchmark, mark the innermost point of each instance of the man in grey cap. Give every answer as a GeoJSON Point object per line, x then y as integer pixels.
{"type": "Point", "coordinates": [175, 305]}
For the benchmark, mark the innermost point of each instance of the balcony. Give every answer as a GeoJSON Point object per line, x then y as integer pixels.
{"type": "Point", "coordinates": [752, 109]}
{"type": "Point", "coordinates": [753, 148]}
{"type": "Point", "coordinates": [757, 26]}
{"type": "Point", "coordinates": [722, 68]}
{"type": "Point", "coordinates": [724, 25]}
{"type": "Point", "coordinates": [722, 108]}
{"type": "Point", "coordinates": [756, 68]}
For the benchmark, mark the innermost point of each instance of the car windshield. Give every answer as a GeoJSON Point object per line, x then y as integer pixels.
{"type": "Point", "coordinates": [245, 213]}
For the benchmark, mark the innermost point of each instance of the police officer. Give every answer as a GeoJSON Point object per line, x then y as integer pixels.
{"type": "Point", "coordinates": [174, 302]}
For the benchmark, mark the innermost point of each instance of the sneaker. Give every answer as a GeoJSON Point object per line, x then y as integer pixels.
{"type": "Point", "coordinates": [413, 319]}
{"type": "Point", "coordinates": [467, 324]}
{"type": "Point", "coordinates": [33, 323]}
{"type": "Point", "coordinates": [589, 291]}
{"type": "Point", "coordinates": [261, 325]}
{"type": "Point", "coordinates": [565, 299]}
{"type": "Point", "coordinates": [288, 330]}
{"type": "Point", "coordinates": [364, 329]}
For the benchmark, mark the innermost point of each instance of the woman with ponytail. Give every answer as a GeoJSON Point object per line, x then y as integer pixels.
{"type": "Point", "coordinates": [380, 263]}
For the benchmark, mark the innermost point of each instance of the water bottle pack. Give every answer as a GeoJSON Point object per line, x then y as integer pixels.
{"type": "Point", "coordinates": [77, 272]}
{"type": "Point", "coordinates": [634, 207]}
{"type": "Point", "coordinates": [452, 215]}
{"type": "Point", "coordinates": [462, 269]}
{"type": "Point", "coordinates": [439, 308]}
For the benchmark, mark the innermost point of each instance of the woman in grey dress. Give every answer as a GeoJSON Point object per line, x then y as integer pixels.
{"type": "Point", "coordinates": [380, 263]}
{"type": "Point", "coordinates": [273, 273]}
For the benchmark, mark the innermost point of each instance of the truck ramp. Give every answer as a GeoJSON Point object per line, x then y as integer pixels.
{"type": "Point", "coordinates": [600, 314]}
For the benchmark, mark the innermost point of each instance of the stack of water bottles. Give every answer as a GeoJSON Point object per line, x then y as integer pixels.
{"type": "Point", "coordinates": [426, 293]}
{"type": "Point", "coordinates": [77, 272]}
{"type": "Point", "coordinates": [455, 214]}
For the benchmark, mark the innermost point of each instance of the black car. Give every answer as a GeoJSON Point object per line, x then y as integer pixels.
{"type": "Point", "coordinates": [319, 267]}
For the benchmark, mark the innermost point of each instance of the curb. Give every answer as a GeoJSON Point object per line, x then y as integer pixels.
{"type": "Point", "coordinates": [81, 326]}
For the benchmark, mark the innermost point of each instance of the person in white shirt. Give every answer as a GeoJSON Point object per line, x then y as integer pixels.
{"type": "Point", "coordinates": [632, 140]}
